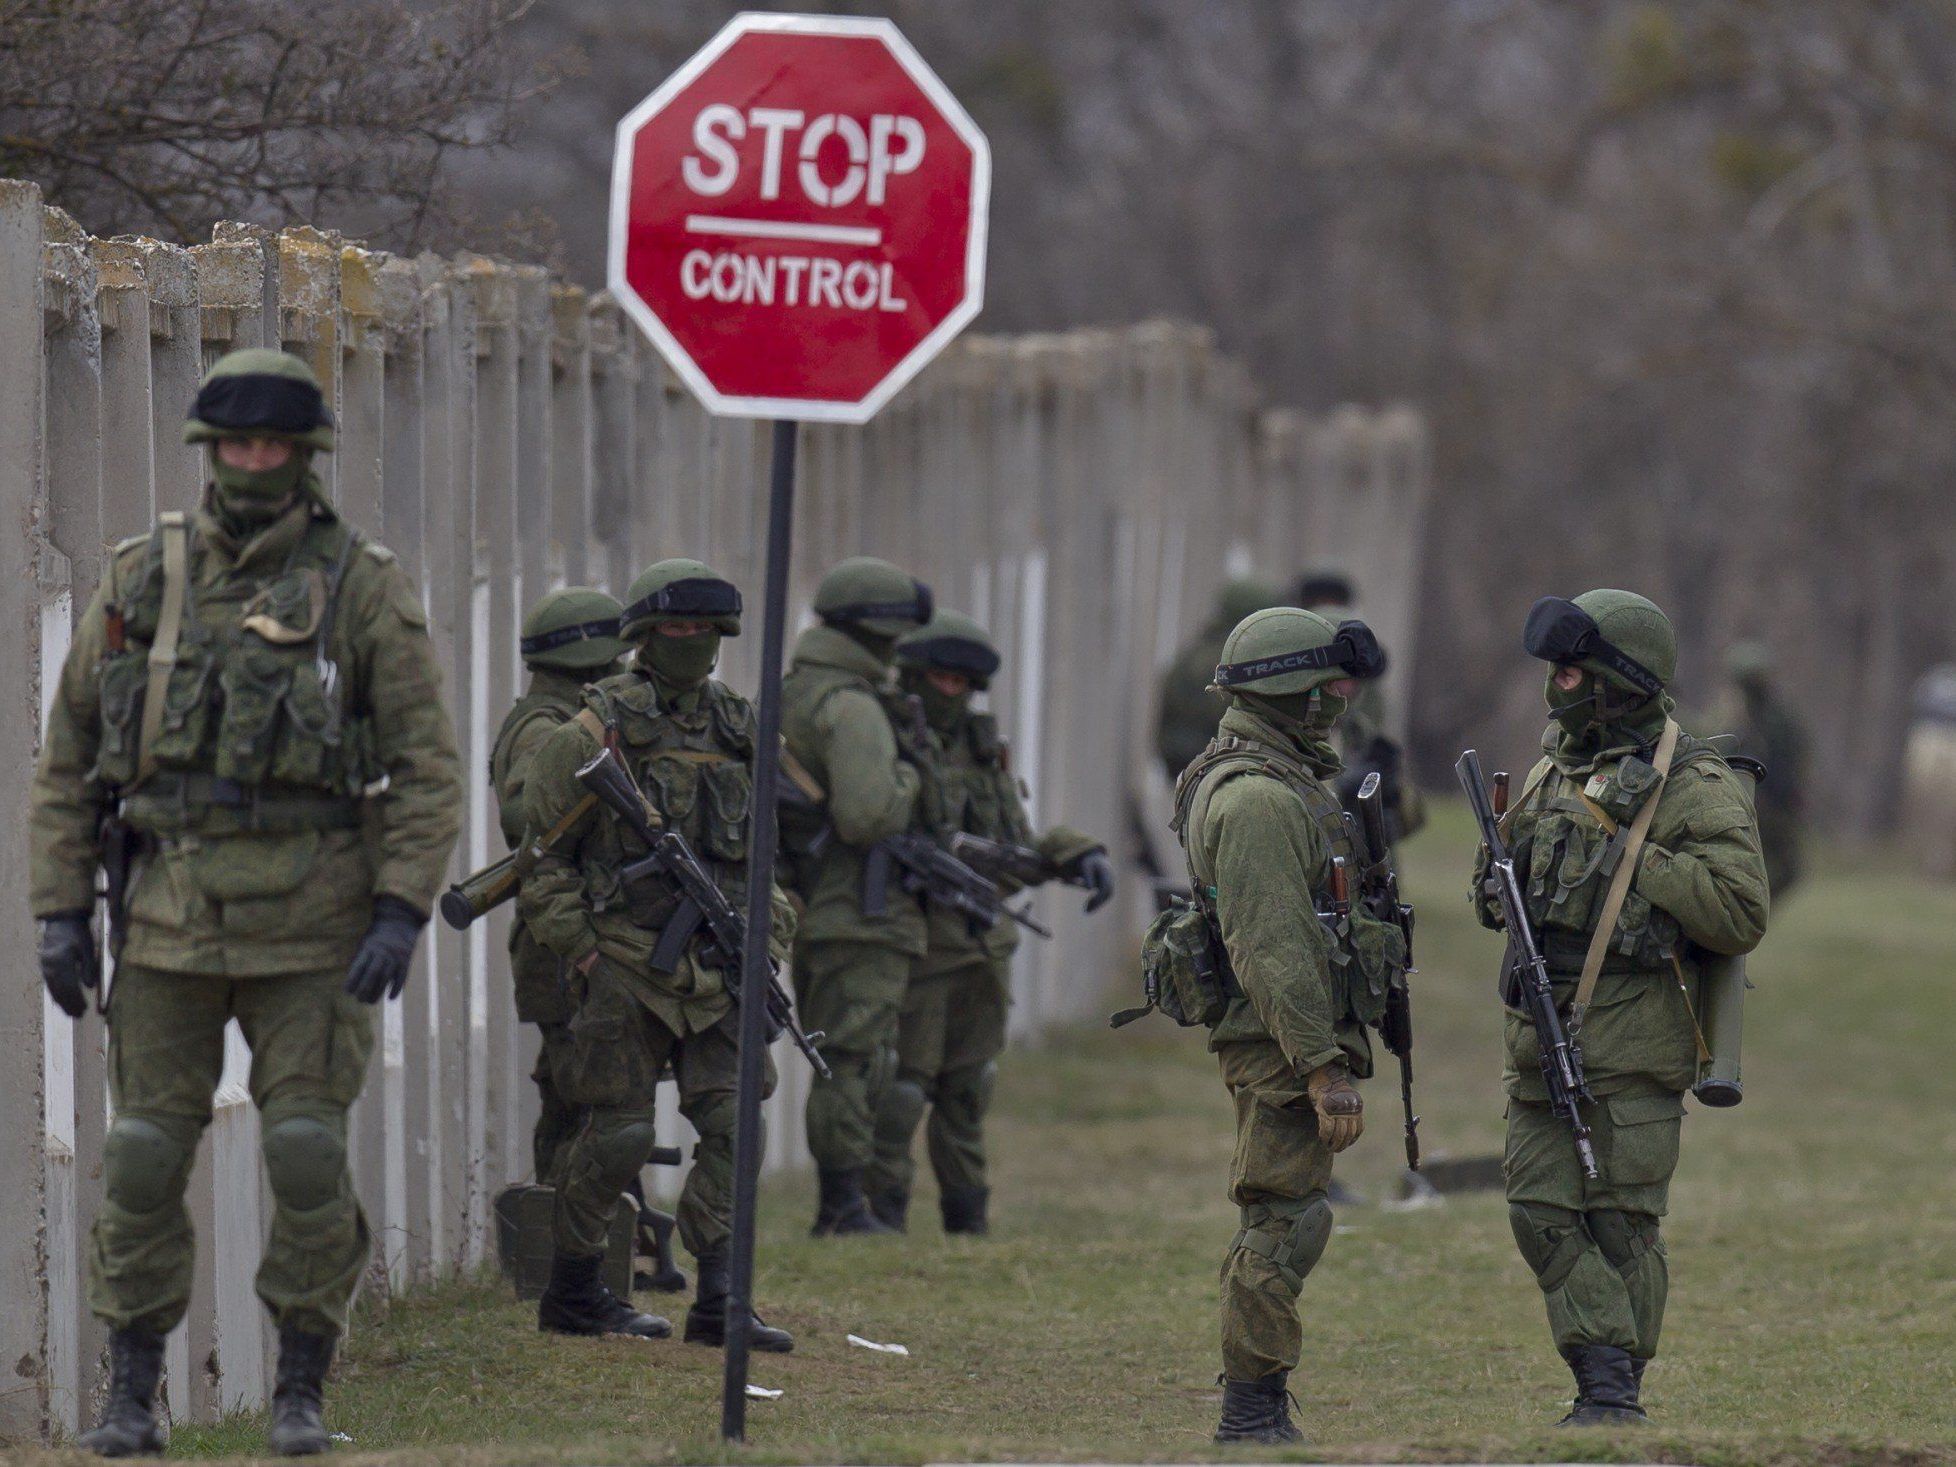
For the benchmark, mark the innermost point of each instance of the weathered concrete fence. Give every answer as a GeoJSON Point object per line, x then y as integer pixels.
{"type": "Point", "coordinates": [504, 433]}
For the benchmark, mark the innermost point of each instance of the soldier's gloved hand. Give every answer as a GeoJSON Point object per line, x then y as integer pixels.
{"type": "Point", "coordinates": [380, 967]}
{"type": "Point", "coordinates": [1096, 873]}
{"type": "Point", "coordinates": [68, 961]}
{"type": "Point", "coordinates": [1341, 1113]}
{"type": "Point", "coordinates": [1491, 904]}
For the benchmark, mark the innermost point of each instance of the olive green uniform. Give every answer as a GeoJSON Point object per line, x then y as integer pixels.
{"type": "Point", "coordinates": [692, 754]}
{"type": "Point", "coordinates": [1260, 825]}
{"type": "Point", "coordinates": [292, 786]}
{"type": "Point", "coordinates": [952, 1028]}
{"type": "Point", "coordinates": [840, 718]}
{"type": "Point", "coordinates": [543, 996]}
{"type": "Point", "coordinates": [1699, 884]}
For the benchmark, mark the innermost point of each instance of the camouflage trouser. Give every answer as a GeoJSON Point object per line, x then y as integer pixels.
{"type": "Point", "coordinates": [309, 1049]}
{"type": "Point", "coordinates": [557, 1118]}
{"type": "Point", "coordinates": [1594, 1247]}
{"type": "Point", "coordinates": [853, 992]}
{"type": "Point", "coordinates": [1278, 1177]}
{"type": "Point", "coordinates": [949, 1038]}
{"type": "Point", "coordinates": [617, 1049]}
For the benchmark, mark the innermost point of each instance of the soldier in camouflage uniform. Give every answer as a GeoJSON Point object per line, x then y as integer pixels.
{"type": "Point", "coordinates": [1697, 886]}
{"type": "Point", "coordinates": [1188, 712]}
{"type": "Point", "coordinates": [1260, 824]}
{"type": "Point", "coordinates": [857, 737]}
{"type": "Point", "coordinates": [252, 689]}
{"type": "Point", "coordinates": [570, 638]}
{"type": "Point", "coordinates": [952, 1029]}
{"type": "Point", "coordinates": [689, 742]}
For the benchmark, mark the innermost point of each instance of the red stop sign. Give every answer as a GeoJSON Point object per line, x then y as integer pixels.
{"type": "Point", "coordinates": [798, 217]}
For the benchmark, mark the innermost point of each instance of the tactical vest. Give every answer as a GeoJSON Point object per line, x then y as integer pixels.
{"type": "Point", "coordinates": [1358, 984]}
{"type": "Point", "coordinates": [696, 768]}
{"type": "Point", "coordinates": [972, 788]}
{"type": "Point", "coordinates": [251, 734]}
{"type": "Point", "coordinates": [1569, 861]}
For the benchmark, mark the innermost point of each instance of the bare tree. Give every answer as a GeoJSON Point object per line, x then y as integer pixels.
{"type": "Point", "coordinates": [164, 116]}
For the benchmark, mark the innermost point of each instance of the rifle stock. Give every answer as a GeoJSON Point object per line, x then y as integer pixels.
{"type": "Point", "coordinates": [1379, 888]}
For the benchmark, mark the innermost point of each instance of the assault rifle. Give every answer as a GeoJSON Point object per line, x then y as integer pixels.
{"type": "Point", "coordinates": [701, 902]}
{"type": "Point", "coordinates": [932, 872]}
{"type": "Point", "coordinates": [1378, 886]}
{"type": "Point", "coordinates": [1561, 1056]}
{"type": "Point", "coordinates": [1001, 860]}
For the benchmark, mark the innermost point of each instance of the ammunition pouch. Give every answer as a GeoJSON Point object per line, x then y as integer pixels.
{"type": "Point", "coordinates": [1185, 970]}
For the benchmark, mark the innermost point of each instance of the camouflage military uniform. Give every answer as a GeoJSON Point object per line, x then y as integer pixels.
{"type": "Point", "coordinates": [1698, 885]}
{"type": "Point", "coordinates": [1260, 824]}
{"type": "Point", "coordinates": [691, 751]}
{"type": "Point", "coordinates": [852, 965]}
{"type": "Point", "coordinates": [952, 1027]}
{"type": "Point", "coordinates": [262, 851]}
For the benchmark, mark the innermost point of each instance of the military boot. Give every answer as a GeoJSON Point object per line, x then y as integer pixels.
{"type": "Point", "coordinates": [299, 1392]}
{"type": "Point", "coordinates": [129, 1427]}
{"type": "Point", "coordinates": [892, 1209]}
{"type": "Point", "coordinates": [1258, 1411]}
{"type": "Point", "coordinates": [576, 1302]}
{"type": "Point", "coordinates": [706, 1321]}
{"type": "Point", "coordinates": [1606, 1387]}
{"type": "Point", "coordinates": [964, 1209]}
{"type": "Point", "coordinates": [843, 1209]}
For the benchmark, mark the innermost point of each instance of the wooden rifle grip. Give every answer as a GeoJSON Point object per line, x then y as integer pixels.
{"type": "Point", "coordinates": [1500, 794]}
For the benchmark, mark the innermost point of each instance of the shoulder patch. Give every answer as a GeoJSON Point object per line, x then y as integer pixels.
{"type": "Point", "coordinates": [380, 552]}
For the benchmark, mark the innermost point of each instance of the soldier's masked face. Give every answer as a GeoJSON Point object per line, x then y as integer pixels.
{"type": "Point", "coordinates": [681, 654]}
{"type": "Point", "coordinates": [253, 482]}
{"type": "Point", "coordinates": [1315, 711]}
{"type": "Point", "coordinates": [946, 696]}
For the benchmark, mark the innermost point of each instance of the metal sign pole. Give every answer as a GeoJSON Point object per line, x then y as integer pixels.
{"type": "Point", "coordinates": [761, 843]}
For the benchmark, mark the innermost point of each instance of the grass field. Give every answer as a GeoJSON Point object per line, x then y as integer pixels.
{"type": "Point", "coordinates": [1813, 1257]}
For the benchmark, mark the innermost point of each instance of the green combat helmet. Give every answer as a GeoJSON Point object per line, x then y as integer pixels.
{"type": "Point", "coordinates": [1618, 635]}
{"type": "Point", "coordinates": [951, 642]}
{"type": "Point", "coordinates": [680, 590]}
{"type": "Point", "coordinates": [573, 629]}
{"type": "Point", "coordinates": [874, 595]}
{"type": "Point", "coordinates": [1243, 597]}
{"type": "Point", "coordinates": [260, 393]}
{"type": "Point", "coordinates": [1283, 651]}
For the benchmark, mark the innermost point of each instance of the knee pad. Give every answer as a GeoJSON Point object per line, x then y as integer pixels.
{"type": "Point", "coordinates": [880, 1073]}
{"type": "Point", "coordinates": [1295, 1251]}
{"type": "Point", "coordinates": [904, 1106]}
{"type": "Point", "coordinates": [1551, 1240]}
{"type": "Point", "coordinates": [305, 1161]}
{"type": "Point", "coordinates": [1624, 1237]}
{"type": "Point", "coordinates": [143, 1163]}
{"type": "Point", "coordinates": [620, 1145]}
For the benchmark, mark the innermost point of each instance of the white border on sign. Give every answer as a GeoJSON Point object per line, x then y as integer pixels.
{"type": "Point", "coordinates": [802, 409]}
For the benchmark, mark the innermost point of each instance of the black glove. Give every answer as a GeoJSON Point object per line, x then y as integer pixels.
{"type": "Point", "coordinates": [1096, 873]}
{"type": "Point", "coordinates": [68, 961]}
{"type": "Point", "coordinates": [381, 965]}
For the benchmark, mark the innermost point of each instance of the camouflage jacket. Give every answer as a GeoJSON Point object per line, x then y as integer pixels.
{"type": "Point", "coordinates": [1699, 885]}
{"type": "Point", "coordinates": [292, 783]}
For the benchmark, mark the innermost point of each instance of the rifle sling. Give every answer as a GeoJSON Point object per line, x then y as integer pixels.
{"type": "Point", "coordinates": [1599, 940]}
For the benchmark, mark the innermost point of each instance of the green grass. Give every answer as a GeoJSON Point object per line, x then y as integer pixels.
{"type": "Point", "coordinates": [1813, 1255]}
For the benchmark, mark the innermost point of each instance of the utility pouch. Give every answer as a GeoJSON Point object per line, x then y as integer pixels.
{"type": "Point", "coordinates": [1184, 970]}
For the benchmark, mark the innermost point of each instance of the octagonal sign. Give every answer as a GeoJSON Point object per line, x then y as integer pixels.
{"type": "Point", "coordinates": [798, 217]}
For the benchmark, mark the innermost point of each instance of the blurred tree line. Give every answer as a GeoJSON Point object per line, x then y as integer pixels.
{"type": "Point", "coordinates": [1672, 278]}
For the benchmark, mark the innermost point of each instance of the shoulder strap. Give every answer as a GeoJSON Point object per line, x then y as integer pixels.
{"type": "Point", "coordinates": [329, 670]}
{"type": "Point", "coordinates": [175, 528]}
{"type": "Point", "coordinates": [1599, 940]}
{"type": "Point", "coordinates": [1536, 775]}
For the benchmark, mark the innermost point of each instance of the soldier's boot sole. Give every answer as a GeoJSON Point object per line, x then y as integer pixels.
{"type": "Point", "coordinates": [1268, 1436]}
{"type": "Point", "coordinates": [554, 1319]}
{"type": "Point", "coordinates": [1587, 1415]}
